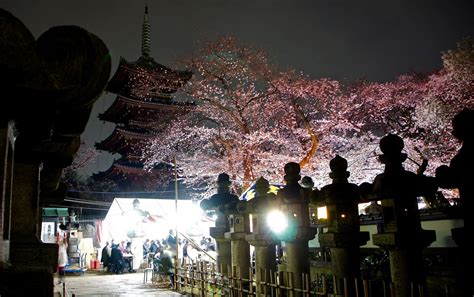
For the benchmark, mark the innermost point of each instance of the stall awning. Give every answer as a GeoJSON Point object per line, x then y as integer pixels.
{"type": "Point", "coordinates": [55, 212]}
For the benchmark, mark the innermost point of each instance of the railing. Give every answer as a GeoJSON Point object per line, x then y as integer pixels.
{"type": "Point", "coordinates": [203, 279]}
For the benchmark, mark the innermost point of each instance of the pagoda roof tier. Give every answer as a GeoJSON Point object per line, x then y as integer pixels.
{"type": "Point", "coordinates": [162, 80]}
{"type": "Point", "coordinates": [126, 167]}
{"type": "Point", "coordinates": [123, 140]}
{"type": "Point", "coordinates": [125, 108]}
{"type": "Point", "coordinates": [110, 174]}
{"type": "Point", "coordinates": [132, 175]}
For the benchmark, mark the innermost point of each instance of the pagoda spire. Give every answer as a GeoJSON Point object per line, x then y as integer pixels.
{"type": "Point", "coordinates": [146, 39]}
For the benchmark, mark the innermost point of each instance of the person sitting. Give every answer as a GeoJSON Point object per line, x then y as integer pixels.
{"type": "Point", "coordinates": [128, 257]}
{"type": "Point", "coordinates": [122, 247]}
{"type": "Point", "coordinates": [146, 248]}
{"type": "Point", "coordinates": [203, 242]}
{"type": "Point", "coordinates": [116, 260]}
{"type": "Point", "coordinates": [153, 247]}
{"type": "Point", "coordinates": [163, 264]}
{"type": "Point", "coordinates": [210, 245]}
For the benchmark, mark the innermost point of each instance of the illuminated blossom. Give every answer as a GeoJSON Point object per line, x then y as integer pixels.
{"type": "Point", "coordinates": [251, 118]}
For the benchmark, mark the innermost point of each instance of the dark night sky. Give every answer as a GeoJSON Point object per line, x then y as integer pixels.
{"type": "Point", "coordinates": [344, 40]}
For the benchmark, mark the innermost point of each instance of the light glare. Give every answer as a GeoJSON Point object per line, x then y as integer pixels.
{"type": "Point", "coordinates": [277, 221]}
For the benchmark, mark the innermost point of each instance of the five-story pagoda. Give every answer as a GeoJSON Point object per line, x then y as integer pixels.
{"type": "Point", "coordinates": [143, 108]}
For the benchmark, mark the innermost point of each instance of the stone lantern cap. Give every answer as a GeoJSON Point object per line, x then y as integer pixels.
{"type": "Point", "coordinates": [223, 180]}
{"type": "Point", "coordinates": [338, 167]}
{"type": "Point", "coordinates": [262, 186]}
{"type": "Point", "coordinates": [463, 123]}
{"type": "Point", "coordinates": [223, 197]}
{"type": "Point", "coordinates": [292, 172]}
{"type": "Point", "coordinates": [263, 200]}
{"type": "Point", "coordinates": [391, 147]}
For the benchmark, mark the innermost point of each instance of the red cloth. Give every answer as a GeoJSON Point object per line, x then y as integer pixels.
{"type": "Point", "coordinates": [98, 224]}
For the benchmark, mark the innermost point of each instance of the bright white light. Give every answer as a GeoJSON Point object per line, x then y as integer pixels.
{"type": "Point", "coordinates": [189, 216]}
{"type": "Point", "coordinates": [277, 221]}
{"type": "Point", "coordinates": [214, 217]}
{"type": "Point", "coordinates": [322, 213]}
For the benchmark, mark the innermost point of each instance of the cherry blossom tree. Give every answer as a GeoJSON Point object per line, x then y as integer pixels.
{"type": "Point", "coordinates": [250, 118]}
{"type": "Point", "coordinates": [418, 107]}
{"type": "Point", "coordinates": [76, 181]}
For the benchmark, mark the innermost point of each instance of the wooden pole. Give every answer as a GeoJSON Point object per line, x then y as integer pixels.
{"type": "Point", "coordinates": [176, 216]}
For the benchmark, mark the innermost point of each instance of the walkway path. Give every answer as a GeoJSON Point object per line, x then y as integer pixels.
{"type": "Point", "coordinates": [99, 284]}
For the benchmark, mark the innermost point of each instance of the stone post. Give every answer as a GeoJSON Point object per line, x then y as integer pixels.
{"type": "Point", "coordinates": [239, 227]}
{"type": "Point", "coordinates": [222, 244]}
{"type": "Point", "coordinates": [294, 204]}
{"type": "Point", "coordinates": [30, 258]}
{"type": "Point", "coordinates": [343, 237]}
{"type": "Point", "coordinates": [402, 234]}
{"type": "Point", "coordinates": [261, 237]}
{"type": "Point", "coordinates": [25, 229]}
{"type": "Point", "coordinates": [217, 204]}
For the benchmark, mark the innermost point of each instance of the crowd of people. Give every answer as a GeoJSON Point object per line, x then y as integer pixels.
{"type": "Point", "coordinates": [117, 257]}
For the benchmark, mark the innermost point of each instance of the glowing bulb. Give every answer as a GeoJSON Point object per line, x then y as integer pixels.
{"type": "Point", "coordinates": [277, 221]}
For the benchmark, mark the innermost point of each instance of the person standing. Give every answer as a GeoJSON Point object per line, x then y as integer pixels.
{"type": "Point", "coordinates": [105, 258]}
{"type": "Point", "coordinates": [171, 240]}
{"type": "Point", "coordinates": [185, 252]}
{"type": "Point", "coordinates": [62, 258]}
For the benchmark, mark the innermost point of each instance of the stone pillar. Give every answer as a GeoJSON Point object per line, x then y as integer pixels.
{"type": "Point", "coordinates": [25, 227]}
{"type": "Point", "coordinates": [405, 254]}
{"type": "Point", "coordinates": [265, 263]}
{"type": "Point", "coordinates": [239, 227]}
{"type": "Point", "coordinates": [297, 260]}
{"type": "Point", "coordinates": [30, 258]}
{"type": "Point", "coordinates": [294, 203]}
{"type": "Point", "coordinates": [222, 244]}
{"type": "Point", "coordinates": [345, 257]}
{"type": "Point", "coordinates": [7, 149]}
{"type": "Point", "coordinates": [343, 237]}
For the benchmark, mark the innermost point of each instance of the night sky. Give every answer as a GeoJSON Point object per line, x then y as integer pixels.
{"type": "Point", "coordinates": [344, 40]}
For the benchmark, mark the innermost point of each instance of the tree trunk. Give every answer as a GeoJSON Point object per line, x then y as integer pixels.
{"type": "Point", "coordinates": [309, 129]}
{"type": "Point", "coordinates": [248, 170]}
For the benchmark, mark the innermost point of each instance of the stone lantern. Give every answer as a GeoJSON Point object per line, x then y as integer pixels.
{"type": "Point", "coordinates": [341, 199]}
{"type": "Point", "coordinates": [460, 174]}
{"type": "Point", "coordinates": [49, 96]}
{"type": "Point", "coordinates": [402, 234]}
{"type": "Point", "coordinates": [294, 202]}
{"type": "Point", "coordinates": [261, 237]}
{"type": "Point", "coordinates": [217, 203]}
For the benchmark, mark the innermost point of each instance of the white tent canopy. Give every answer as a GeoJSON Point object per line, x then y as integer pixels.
{"type": "Point", "coordinates": [156, 218]}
